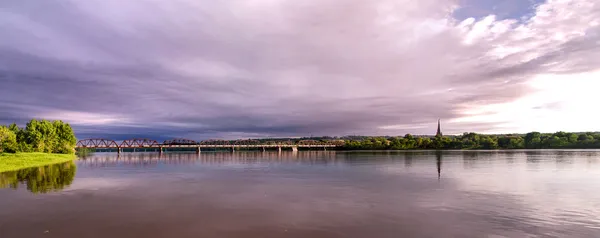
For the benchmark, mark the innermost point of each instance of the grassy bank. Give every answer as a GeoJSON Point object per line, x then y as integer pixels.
{"type": "Point", "coordinates": [17, 161]}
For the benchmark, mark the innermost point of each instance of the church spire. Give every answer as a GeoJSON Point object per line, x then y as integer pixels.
{"type": "Point", "coordinates": [439, 130]}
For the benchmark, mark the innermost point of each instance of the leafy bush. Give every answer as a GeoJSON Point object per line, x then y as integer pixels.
{"type": "Point", "coordinates": [38, 136]}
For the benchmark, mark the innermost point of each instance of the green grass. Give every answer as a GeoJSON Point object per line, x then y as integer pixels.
{"type": "Point", "coordinates": [9, 162]}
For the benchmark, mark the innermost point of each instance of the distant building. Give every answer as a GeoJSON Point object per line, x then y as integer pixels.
{"type": "Point", "coordinates": [439, 130]}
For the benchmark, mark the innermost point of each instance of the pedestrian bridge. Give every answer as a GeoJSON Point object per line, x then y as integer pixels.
{"type": "Point", "coordinates": [99, 143]}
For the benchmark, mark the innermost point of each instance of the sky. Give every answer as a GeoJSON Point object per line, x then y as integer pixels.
{"type": "Point", "coordinates": [233, 69]}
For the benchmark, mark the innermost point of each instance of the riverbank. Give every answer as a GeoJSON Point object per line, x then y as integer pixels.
{"type": "Point", "coordinates": [9, 162]}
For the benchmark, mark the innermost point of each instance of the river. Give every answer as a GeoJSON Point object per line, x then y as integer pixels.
{"type": "Point", "coordinates": [316, 194]}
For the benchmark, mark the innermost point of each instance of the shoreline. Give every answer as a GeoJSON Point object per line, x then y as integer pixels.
{"type": "Point", "coordinates": [22, 160]}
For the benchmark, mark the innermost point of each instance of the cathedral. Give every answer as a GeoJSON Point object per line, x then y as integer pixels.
{"type": "Point", "coordinates": [439, 130]}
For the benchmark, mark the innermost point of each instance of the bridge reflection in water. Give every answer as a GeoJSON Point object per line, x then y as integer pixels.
{"type": "Point", "coordinates": [100, 160]}
{"type": "Point", "coordinates": [211, 158]}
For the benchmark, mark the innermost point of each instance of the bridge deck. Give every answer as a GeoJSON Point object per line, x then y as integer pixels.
{"type": "Point", "coordinates": [205, 146]}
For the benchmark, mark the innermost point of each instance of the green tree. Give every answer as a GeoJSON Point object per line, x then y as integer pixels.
{"type": "Point", "coordinates": [533, 140]}
{"type": "Point", "coordinates": [396, 143]}
{"type": "Point", "coordinates": [555, 142]}
{"type": "Point", "coordinates": [488, 143]}
{"type": "Point", "coordinates": [65, 141]}
{"type": "Point", "coordinates": [516, 143]}
{"type": "Point", "coordinates": [470, 141]}
{"type": "Point", "coordinates": [441, 142]}
{"type": "Point", "coordinates": [14, 128]}
{"type": "Point", "coordinates": [504, 142]}
{"type": "Point", "coordinates": [423, 143]}
{"type": "Point", "coordinates": [585, 137]}
{"type": "Point", "coordinates": [43, 136]}
{"type": "Point", "coordinates": [572, 138]}
{"type": "Point", "coordinates": [33, 136]}
{"type": "Point", "coordinates": [409, 142]}
{"type": "Point", "coordinates": [8, 140]}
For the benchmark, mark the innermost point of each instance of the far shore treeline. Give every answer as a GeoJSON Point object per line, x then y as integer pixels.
{"type": "Point", "coordinates": [38, 136]}
{"type": "Point", "coordinates": [466, 141]}
{"type": "Point", "coordinates": [532, 140]}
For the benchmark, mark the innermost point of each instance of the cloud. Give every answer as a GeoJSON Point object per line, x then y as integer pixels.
{"type": "Point", "coordinates": [80, 118]}
{"type": "Point", "coordinates": [282, 68]}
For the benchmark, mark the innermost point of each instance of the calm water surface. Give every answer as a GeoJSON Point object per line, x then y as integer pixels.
{"type": "Point", "coordinates": [308, 194]}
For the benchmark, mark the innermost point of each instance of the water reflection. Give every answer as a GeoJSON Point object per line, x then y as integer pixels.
{"type": "Point", "coordinates": [533, 157]}
{"type": "Point", "coordinates": [42, 179]}
{"type": "Point", "coordinates": [318, 195]}
{"type": "Point", "coordinates": [470, 159]}
{"type": "Point", "coordinates": [209, 158]}
{"type": "Point", "coordinates": [438, 160]}
{"type": "Point", "coordinates": [408, 160]}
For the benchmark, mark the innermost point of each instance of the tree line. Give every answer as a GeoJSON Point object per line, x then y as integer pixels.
{"type": "Point", "coordinates": [466, 141]}
{"type": "Point", "coordinates": [275, 141]}
{"type": "Point", "coordinates": [532, 140]}
{"type": "Point", "coordinates": [38, 136]}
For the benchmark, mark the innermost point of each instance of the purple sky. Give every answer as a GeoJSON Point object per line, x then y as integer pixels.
{"type": "Point", "coordinates": [203, 69]}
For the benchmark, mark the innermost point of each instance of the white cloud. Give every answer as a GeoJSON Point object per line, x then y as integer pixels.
{"type": "Point", "coordinates": [559, 102]}
{"type": "Point", "coordinates": [84, 118]}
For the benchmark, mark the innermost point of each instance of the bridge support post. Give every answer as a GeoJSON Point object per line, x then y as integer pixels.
{"type": "Point", "coordinates": [324, 148]}
{"type": "Point", "coordinates": [160, 150]}
{"type": "Point", "coordinates": [294, 148]}
{"type": "Point", "coordinates": [263, 149]}
{"type": "Point", "coordinates": [279, 149]}
{"type": "Point", "coordinates": [198, 150]}
{"type": "Point", "coordinates": [119, 150]}
{"type": "Point", "coordinates": [233, 149]}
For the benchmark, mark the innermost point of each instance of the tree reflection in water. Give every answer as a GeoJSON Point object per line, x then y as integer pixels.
{"type": "Point", "coordinates": [42, 179]}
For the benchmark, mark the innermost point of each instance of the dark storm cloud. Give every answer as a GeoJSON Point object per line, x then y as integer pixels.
{"type": "Point", "coordinates": [270, 68]}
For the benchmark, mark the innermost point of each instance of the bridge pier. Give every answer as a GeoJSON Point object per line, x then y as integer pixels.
{"type": "Point", "coordinates": [324, 148]}
{"type": "Point", "coordinates": [294, 148]}
{"type": "Point", "coordinates": [160, 150]}
{"type": "Point", "coordinates": [198, 150]}
{"type": "Point", "coordinates": [263, 149]}
{"type": "Point", "coordinates": [119, 150]}
{"type": "Point", "coordinates": [279, 149]}
{"type": "Point", "coordinates": [233, 149]}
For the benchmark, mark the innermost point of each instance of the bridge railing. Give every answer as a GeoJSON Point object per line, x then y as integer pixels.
{"type": "Point", "coordinates": [149, 143]}
{"type": "Point", "coordinates": [97, 143]}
